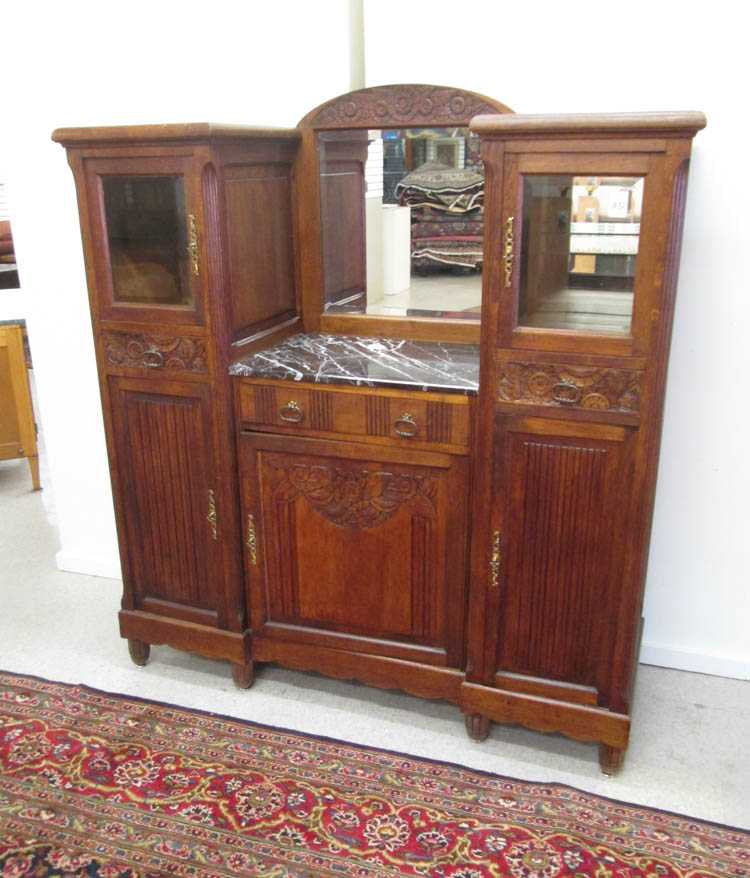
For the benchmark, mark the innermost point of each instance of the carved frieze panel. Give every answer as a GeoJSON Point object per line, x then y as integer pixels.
{"type": "Point", "coordinates": [136, 350]}
{"type": "Point", "coordinates": [597, 388]}
{"type": "Point", "coordinates": [403, 105]}
{"type": "Point", "coordinates": [356, 497]}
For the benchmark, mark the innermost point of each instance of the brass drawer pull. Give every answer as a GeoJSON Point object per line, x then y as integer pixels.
{"type": "Point", "coordinates": [291, 412]}
{"type": "Point", "coordinates": [409, 427]}
{"type": "Point", "coordinates": [566, 393]}
{"type": "Point", "coordinates": [153, 358]}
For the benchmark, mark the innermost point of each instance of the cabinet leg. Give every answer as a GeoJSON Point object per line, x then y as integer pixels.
{"type": "Point", "coordinates": [243, 674]}
{"type": "Point", "coordinates": [139, 651]}
{"type": "Point", "coordinates": [34, 467]}
{"type": "Point", "coordinates": [610, 759]}
{"type": "Point", "coordinates": [477, 726]}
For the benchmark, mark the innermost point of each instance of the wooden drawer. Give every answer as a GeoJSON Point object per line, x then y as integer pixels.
{"type": "Point", "coordinates": [593, 388]}
{"type": "Point", "coordinates": [154, 351]}
{"type": "Point", "coordinates": [363, 414]}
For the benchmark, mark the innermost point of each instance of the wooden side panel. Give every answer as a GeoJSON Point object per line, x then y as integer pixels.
{"type": "Point", "coordinates": [163, 443]}
{"type": "Point", "coordinates": [342, 214]}
{"type": "Point", "coordinates": [561, 542]}
{"type": "Point", "coordinates": [260, 243]}
{"type": "Point", "coordinates": [10, 428]}
{"type": "Point", "coordinates": [17, 426]}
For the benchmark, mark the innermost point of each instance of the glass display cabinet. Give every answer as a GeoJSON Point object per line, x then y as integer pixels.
{"type": "Point", "coordinates": [383, 393]}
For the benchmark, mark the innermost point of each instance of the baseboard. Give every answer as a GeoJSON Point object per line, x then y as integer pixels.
{"type": "Point", "coordinates": [698, 662]}
{"type": "Point", "coordinates": [91, 565]}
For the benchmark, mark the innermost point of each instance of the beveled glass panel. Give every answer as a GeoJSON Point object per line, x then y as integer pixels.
{"type": "Point", "coordinates": [147, 237]}
{"type": "Point", "coordinates": [579, 246]}
{"type": "Point", "coordinates": [402, 218]}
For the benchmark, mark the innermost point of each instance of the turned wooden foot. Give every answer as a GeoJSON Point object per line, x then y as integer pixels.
{"type": "Point", "coordinates": [477, 726]}
{"type": "Point", "coordinates": [139, 651]}
{"type": "Point", "coordinates": [243, 674]}
{"type": "Point", "coordinates": [610, 759]}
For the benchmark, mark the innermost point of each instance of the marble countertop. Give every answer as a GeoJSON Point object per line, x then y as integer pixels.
{"type": "Point", "coordinates": [367, 362]}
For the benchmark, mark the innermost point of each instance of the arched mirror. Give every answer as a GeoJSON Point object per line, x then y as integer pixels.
{"type": "Point", "coordinates": [394, 219]}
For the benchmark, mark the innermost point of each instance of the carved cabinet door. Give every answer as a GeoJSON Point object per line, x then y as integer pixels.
{"type": "Point", "coordinates": [164, 486]}
{"type": "Point", "coordinates": [355, 547]}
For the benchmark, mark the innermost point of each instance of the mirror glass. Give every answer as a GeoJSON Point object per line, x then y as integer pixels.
{"type": "Point", "coordinates": [402, 220]}
{"type": "Point", "coordinates": [578, 252]}
{"type": "Point", "coordinates": [147, 239]}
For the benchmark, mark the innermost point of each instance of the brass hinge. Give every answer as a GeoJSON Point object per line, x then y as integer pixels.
{"type": "Point", "coordinates": [508, 251]}
{"type": "Point", "coordinates": [495, 561]}
{"type": "Point", "coordinates": [211, 516]}
{"type": "Point", "coordinates": [193, 244]}
{"type": "Point", "coordinates": [251, 540]}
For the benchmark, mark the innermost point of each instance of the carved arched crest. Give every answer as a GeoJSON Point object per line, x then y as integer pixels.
{"type": "Point", "coordinates": [395, 106]}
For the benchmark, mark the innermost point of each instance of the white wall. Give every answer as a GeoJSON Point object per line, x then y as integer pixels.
{"type": "Point", "coordinates": [95, 63]}
{"type": "Point", "coordinates": [589, 57]}
{"type": "Point", "coordinates": [79, 63]}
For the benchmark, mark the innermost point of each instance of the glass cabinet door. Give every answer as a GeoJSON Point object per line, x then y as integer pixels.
{"type": "Point", "coordinates": [570, 257]}
{"type": "Point", "coordinates": [147, 234]}
{"type": "Point", "coordinates": [148, 256]}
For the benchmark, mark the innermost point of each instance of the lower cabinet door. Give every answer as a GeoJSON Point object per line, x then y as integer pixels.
{"type": "Point", "coordinates": [356, 547]}
{"type": "Point", "coordinates": [165, 497]}
{"type": "Point", "coordinates": [557, 585]}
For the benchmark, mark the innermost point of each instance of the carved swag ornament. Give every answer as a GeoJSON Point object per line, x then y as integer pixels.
{"type": "Point", "coordinates": [617, 390]}
{"type": "Point", "coordinates": [136, 350]}
{"type": "Point", "coordinates": [354, 498]}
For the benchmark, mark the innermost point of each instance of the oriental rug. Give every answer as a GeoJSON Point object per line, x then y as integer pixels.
{"type": "Point", "coordinates": [106, 785]}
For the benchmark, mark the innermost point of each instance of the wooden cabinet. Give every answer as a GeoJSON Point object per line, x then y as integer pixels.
{"type": "Point", "coordinates": [355, 553]}
{"type": "Point", "coordinates": [181, 253]}
{"type": "Point", "coordinates": [570, 413]}
{"type": "Point", "coordinates": [486, 546]}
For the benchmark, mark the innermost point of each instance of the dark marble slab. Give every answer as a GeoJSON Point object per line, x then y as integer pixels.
{"type": "Point", "coordinates": [368, 362]}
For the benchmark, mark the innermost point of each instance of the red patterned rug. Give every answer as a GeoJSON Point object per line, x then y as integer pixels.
{"type": "Point", "coordinates": [107, 785]}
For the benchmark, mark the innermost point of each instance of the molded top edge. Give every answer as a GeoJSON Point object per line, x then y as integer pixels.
{"type": "Point", "coordinates": [178, 131]}
{"type": "Point", "coordinates": [687, 122]}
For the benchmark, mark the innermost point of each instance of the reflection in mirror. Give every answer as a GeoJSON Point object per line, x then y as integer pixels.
{"type": "Point", "coordinates": [146, 233]}
{"type": "Point", "coordinates": [402, 220]}
{"type": "Point", "coordinates": [578, 252]}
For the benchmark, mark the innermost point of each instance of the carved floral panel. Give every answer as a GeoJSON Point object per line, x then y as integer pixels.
{"type": "Point", "coordinates": [154, 350]}
{"type": "Point", "coordinates": [597, 388]}
{"type": "Point", "coordinates": [356, 497]}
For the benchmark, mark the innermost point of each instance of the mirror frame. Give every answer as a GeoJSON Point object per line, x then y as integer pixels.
{"type": "Point", "coordinates": [380, 107]}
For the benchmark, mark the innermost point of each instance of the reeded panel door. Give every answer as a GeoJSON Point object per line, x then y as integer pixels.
{"type": "Point", "coordinates": [559, 524]}
{"type": "Point", "coordinates": [356, 545]}
{"type": "Point", "coordinates": [166, 495]}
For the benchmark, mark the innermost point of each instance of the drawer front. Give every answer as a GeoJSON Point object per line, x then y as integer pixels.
{"type": "Point", "coordinates": [370, 415]}
{"type": "Point", "coordinates": [154, 351]}
{"type": "Point", "coordinates": [593, 388]}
